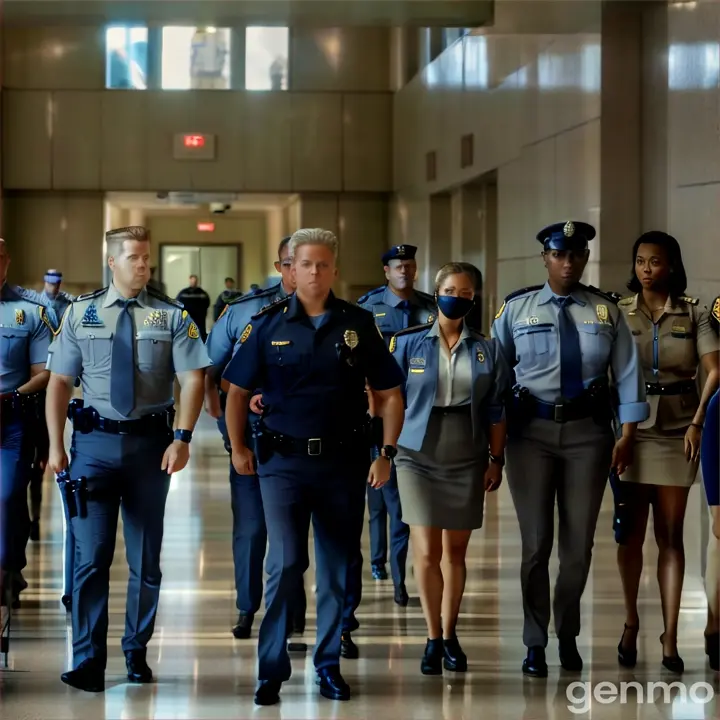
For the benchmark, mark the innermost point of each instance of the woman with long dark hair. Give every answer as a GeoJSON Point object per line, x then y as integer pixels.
{"type": "Point", "coordinates": [674, 341]}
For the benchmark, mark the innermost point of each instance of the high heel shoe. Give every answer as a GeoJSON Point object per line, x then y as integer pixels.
{"type": "Point", "coordinates": [673, 663]}
{"type": "Point", "coordinates": [626, 657]}
{"type": "Point", "coordinates": [712, 650]}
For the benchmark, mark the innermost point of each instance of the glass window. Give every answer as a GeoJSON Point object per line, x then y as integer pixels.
{"type": "Point", "coordinates": [195, 58]}
{"type": "Point", "coordinates": [266, 58]}
{"type": "Point", "coordinates": [126, 57]}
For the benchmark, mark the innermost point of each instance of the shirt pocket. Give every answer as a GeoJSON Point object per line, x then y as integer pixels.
{"type": "Point", "coordinates": [96, 348]}
{"type": "Point", "coordinates": [14, 347]}
{"type": "Point", "coordinates": [153, 350]}
{"type": "Point", "coordinates": [595, 342]}
{"type": "Point", "coordinates": [285, 366]}
{"type": "Point", "coordinates": [535, 346]}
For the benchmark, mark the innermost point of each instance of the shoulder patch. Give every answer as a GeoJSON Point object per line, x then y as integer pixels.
{"type": "Point", "coordinates": [611, 296]}
{"type": "Point", "coordinates": [245, 333]}
{"type": "Point", "coordinates": [45, 320]}
{"type": "Point", "coordinates": [90, 295]}
{"type": "Point", "coordinates": [272, 307]}
{"type": "Point", "coordinates": [689, 300]}
{"type": "Point", "coordinates": [626, 301]}
{"type": "Point", "coordinates": [368, 295]}
{"type": "Point", "coordinates": [153, 292]}
{"type": "Point", "coordinates": [523, 291]}
{"type": "Point", "coordinates": [715, 312]}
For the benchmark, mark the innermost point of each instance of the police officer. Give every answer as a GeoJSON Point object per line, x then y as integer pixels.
{"type": "Point", "coordinates": [395, 306]}
{"type": "Point", "coordinates": [562, 338]}
{"type": "Point", "coordinates": [249, 532]}
{"type": "Point", "coordinates": [127, 342]}
{"type": "Point", "coordinates": [197, 302]}
{"type": "Point", "coordinates": [312, 354]}
{"type": "Point", "coordinates": [25, 338]}
{"type": "Point", "coordinates": [227, 295]}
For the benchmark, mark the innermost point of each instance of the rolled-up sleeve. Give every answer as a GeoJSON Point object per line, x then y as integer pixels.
{"type": "Point", "coordinates": [65, 356]}
{"type": "Point", "coordinates": [628, 374]}
{"type": "Point", "coordinates": [188, 350]}
{"type": "Point", "coordinates": [501, 385]}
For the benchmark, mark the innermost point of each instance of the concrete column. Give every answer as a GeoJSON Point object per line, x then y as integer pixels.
{"type": "Point", "coordinates": [440, 233]}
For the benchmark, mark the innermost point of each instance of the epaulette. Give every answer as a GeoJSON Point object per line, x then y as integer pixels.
{"type": "Point", "coordinates": [91, 295]}
{"type": "Point", "coordinates": [28, 295]}
{"type": "Point", "coordinates": [272, 307]}
{"type": "Point", "coordinates": [253, 295]}
{"type": "Point", "coordinates": [626, 301]}
{"type": "Point", "coordinates": [162, 296]}
{"type": "Point", "coordinates": [408, 331]}
{"type": "Point", "coordinates": [523, 291]}
{"type": "Point", "coordinates": [368, 295]}
{"type": "Point", "coordinates": [613, 297]}
{"type": "Point", "coordinates": [689, 300]}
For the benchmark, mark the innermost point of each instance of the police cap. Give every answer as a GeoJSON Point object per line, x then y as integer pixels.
{"type": "Point", "coordinates": [399, 252]}
{"type": "Point", "coordinates": [568, 235]}
{"type": "Point", "coordinates": [54, 277]}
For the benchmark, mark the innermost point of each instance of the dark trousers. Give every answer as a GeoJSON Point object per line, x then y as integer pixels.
{"type": "Point", "coordinates": [298, 490]}
{"type": "Point", "coordinates": [123, 473]}
{"type": "Point", "coordinates": [381, 504]}
{"type": "Point", "coordinates": [68, 548]}
{"type": "Point", "coordinates": [15, 458]}
{"type": "Point", "coordinates": [569, 462]}
{"type": "Point", "coordinates": [40, 455]}
{"type": "Point", "coordinates": [353, 588]}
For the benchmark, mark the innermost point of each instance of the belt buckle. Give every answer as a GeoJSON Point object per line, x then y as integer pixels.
{"type": "Point", "coordinates": [559, 414]}
{"type": "Point", "coordinates": [314, 446]}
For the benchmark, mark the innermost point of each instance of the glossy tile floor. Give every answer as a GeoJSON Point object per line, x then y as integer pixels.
{"type": "Point", "coordinates": [202, 672]}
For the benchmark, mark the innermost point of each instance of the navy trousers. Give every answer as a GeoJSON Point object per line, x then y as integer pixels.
{"type": "Point", "coordinates": [16, 454]}
{"type": "Point", "coordinates": [123, 473]}
{"type": "Point", "coordinates": [297, 490]}
{"type": "Point", "coordinates": [381, 504]}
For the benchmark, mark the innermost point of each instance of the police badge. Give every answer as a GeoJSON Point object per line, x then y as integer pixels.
{"type": "Point", "coordinates": [351, 339]}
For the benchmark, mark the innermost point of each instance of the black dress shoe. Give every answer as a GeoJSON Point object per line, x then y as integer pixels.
{"type": "Point", "coordinates": [712, 650]}
{"type": "Point", "coordinates": [268, 692]}
{"type": "Point", "coordinates": [66, 600]}
{"type": "Point", "coordinates": [332, 684]}
{"type": "Point", "coordinates": [534, 664]}
{"type": "Point", "coordinates": [348, 649]}
{"type": "Point", "coordinates": [673, 663]}
{"type": "Point", "coordinates": [454, 659]}
{"type": "Point", "coordinates": [569, 656]}
{"type": "Point", "coordinates": [89, 676]}
{"type": "Point", "coordinates": [379, 572]}
{"type": "Point", "coordinates": [401, 595]}
{"type": "Point", "coordinates": [35, 530]}
{"type": "Point", "coordinates": [242, 628]}
{"type": "Point", "coordinates": [432, 660]}
{"type": "Point", "coordinates": [627, 657]}
{"type": "Point", "coordinates": [138, 671]}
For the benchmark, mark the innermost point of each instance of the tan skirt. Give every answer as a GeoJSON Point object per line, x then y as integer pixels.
{"type": "Point", "coordinates": [660, 460]}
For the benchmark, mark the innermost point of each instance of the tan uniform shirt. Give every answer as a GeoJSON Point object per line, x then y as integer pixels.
{"type": "Point", "coordinates": [670, 352]}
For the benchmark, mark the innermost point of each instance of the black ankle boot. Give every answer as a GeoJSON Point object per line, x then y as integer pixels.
{"type": "Point", "coordinates": [454, 658]}
{"type": "Point", "coordinates": [432, 661]}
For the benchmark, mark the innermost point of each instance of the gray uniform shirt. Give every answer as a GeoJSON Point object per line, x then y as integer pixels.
{"type": "Point", "coordinates": [167, 342]}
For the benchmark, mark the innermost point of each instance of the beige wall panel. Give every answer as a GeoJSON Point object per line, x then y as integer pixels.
{"type": "Point", "coordinates": [58, 57]}
{"type": "Point", "coordinates": [83, 239]}
{"type": "Point", "coordinates": [340, 59]}
{"type": "Point", "coordinates": [219, 114]}
{"type": "Point", "coordinates": [363, 238]}
{"type": "Point", "coordinates": [320, 210]}
{"type": "Point", "coordinates": [316, 142]}
{"type": "Point", "coordinates": [266, 141]}
{"type": "Point", "coordinates": [76, 145]}
{"type": "Point", "coordinates": [168, 113]}
{"type": "Point", "coordinates": [367, 142]}
{"type": "Point", "coordinates": [27, 129]}
{"type": "Point", "coordinates": [125, 141]}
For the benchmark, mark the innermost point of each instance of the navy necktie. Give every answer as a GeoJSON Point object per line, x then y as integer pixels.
{"type": "Point", "coordinates": [404, 307]}
{"type": "Point", "coordinates": [571, 380]}
{"type": "Point", "coordinates": [122, 374]}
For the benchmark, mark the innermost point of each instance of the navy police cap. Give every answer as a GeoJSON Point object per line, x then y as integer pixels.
{"type": "Point", "coordinates": [399, 252]}
{"type": "Point", "coordinates": [569, 235]}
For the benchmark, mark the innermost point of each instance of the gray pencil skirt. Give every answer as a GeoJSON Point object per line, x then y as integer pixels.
{"type": "Point", "coordinates": [442, 484]}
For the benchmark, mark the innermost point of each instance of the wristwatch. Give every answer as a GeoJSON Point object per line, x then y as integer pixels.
{"type": "Point", "coordinates": [497, 459]}
{"type": "Point", "coordinates": [388, 451]}
{"type": "Point", "coordinates": [183, 435]}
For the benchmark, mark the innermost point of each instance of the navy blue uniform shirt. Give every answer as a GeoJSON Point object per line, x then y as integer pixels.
{"type": "Point", "coordinates": [313, 380]}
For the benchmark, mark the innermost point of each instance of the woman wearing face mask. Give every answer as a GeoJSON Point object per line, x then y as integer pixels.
{"type": "Point", "coordinates": [450, 452]}
{"type": "Point", "coordinates": [674, 339]}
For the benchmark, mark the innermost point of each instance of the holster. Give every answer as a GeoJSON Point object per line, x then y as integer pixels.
{"type": "Point", "coordinates": [263, 443]}
{"type": "Point", "coordinates": [621, 515]}
{"type": "Point", "coordinates": [76, 494]}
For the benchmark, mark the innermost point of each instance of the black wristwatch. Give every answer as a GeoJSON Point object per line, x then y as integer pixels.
{"type": "Point", "coordinates": [388, 451]}
{"type": "Point", "coordinates": [497, 459]}
{"type": "Point", "coordinates": [183, 435]}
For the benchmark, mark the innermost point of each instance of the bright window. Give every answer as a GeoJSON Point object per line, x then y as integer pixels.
{"type": "Point", "coordinates": [266, 58]}
{"type": "Point", "coordinates": [126, 57]}
{"type": "Point", "coordinates": [195, 58]}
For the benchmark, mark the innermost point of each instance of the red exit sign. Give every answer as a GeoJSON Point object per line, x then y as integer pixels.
{"type": "Point", "coordinates": [193, 146]}
{"type": "Point", "coordinates": [206, 227]}
{"type": "Point", "coordinates": [194, 141]}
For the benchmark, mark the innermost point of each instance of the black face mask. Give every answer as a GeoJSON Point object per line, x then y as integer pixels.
{"type": "Point", "coordinates": [454, 308]}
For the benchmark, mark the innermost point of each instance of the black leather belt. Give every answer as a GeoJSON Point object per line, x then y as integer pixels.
{"type": "Point", "coordinates": [85, 420]}
{"type": "Point", "coordinates": [315, 447]}
{"type": "Point", "coordinates": [684, 387]}
{"type": "Point", "coordinates": [563, 412]}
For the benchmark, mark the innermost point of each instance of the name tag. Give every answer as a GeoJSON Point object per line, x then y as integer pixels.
{"type": "Point", "coordinates": [380, 314]}
{"type": "Point", "coordinates": [279, 343]}
{"type": "Point", "coordinates": [417, 370]}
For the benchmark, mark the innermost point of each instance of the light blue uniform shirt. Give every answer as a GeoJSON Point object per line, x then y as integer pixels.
{"type": "Point", "coordinates": [392, 314]}
{"type": "Point", "coordinates": [527, 329]}
{"type": "Point", "coordinates": [24, 337]}
{"type": "Point", "coordinates": [55, 307]}
{"type": "Point", "coordinates": [167, 342]}
{"type": "Point", "coordinates": [417, 351]}
{"type": "Point", "coordinates": [223, 340]}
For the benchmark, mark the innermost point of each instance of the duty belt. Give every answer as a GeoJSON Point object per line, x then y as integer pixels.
{"type": "Point", "coordinates": [314, 447]}
{"type": "Point", "coordinates": [595, 402]}
{"type": "Point", "coordinates": [85, 420]}
{"type": "Point", "coordinates": [684, 387]}
{"type": "Point", "coordinates": [15, 402]}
